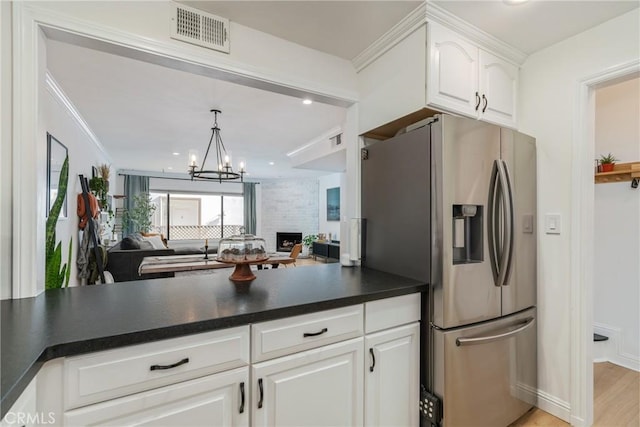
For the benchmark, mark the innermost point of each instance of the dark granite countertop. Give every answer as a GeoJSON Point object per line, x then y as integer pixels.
{"type": "Point", "coordinates": [64, 322]}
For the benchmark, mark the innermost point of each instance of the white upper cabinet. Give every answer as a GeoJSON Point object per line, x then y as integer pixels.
{"type": "Point", "coordinates": [393, 85]}
{"type": "Point", "coordinates": [452, 82]}
{"type": "Point", "coordinates": [499, 85]}
{"type": "Point", "coordinates": [467, 80]}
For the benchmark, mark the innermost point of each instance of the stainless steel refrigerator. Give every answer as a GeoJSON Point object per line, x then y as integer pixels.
{"type": "Point", "coordinates": [453, 203]}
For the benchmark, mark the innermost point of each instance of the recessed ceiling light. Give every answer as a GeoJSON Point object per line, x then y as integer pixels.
{"type": "Point", "coordinates": [271, 163]}
{"type": "Point", "coordinates": [175, 153]}
{"type": "Point", "coordinates": [307, 102]}
{"type": "Point", "coordinates": [514, 2]}
{"type": "Point", "coordinates": [169, 167]}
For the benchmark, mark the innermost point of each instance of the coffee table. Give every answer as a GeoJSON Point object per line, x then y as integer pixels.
{"type": "Point", "coordinates": [175, 263]}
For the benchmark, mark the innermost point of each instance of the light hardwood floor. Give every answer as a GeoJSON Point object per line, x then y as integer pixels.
{"type": "Point", "coordinates": [616, 395]}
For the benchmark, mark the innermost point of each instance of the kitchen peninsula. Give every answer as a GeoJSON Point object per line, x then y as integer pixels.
{"type": "Point", "coordinates": [71, 322]}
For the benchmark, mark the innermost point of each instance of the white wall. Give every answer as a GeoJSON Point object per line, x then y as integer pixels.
{"type": "Point", "coordinates": [288, 206]}
{"type": "Point", "coordinates": [5, 150]}
{"type": "Point", "coordinates": [59, 121]}
{"type": "Point", "coordinates": [252, 52]}
{"type": "Point", "coordinates": [617, 226]}
{"type": "Point", "coordinates": [547, 97]}
{"type": "Point", "coordinates": [324, 226]}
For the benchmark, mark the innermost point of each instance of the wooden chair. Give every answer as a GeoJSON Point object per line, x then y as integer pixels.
{"type": "Point", "coordinates": [295, 251]}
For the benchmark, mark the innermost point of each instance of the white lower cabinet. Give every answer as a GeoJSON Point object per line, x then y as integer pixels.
{"type": "Point", "coordinates": [214, 400]}
{"type": "Point", "coordinates": [319, 387]}
{"type": "Point", "coordinates": [392, 378]}
{"type": "Point", "coordinates": [350, 366]}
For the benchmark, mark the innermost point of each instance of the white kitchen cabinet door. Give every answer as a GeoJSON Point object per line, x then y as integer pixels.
{"type": "Point", "coordinates": [392, 377]}
{"type": "Point", "coordinates": [498, 86]}
{"type": "Point", "coordinates": [452, 72]}
{"type": "Point", "coordinates": [319, 387]}
{"type": "Point", "coordinates": [215, 400]}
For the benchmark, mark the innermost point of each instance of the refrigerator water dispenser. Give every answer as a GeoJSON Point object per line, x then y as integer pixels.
{"type": "Point", "coordinates": [467, 234]}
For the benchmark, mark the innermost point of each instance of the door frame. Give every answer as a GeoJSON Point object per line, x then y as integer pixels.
{"type": "Point", "coordinates": [582, 237]}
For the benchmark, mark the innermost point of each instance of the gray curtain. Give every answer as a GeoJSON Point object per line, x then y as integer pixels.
{"type": "Point", "coordinates": [133, 185]}
{"type": "Point", "coordinates": [249, 190]}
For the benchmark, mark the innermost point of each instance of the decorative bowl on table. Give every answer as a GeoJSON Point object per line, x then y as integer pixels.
{"type": "Point", "coordinates": [242, 250]}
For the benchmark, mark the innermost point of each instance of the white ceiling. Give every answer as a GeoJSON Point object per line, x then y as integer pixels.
{"type": "Point", "coordinates": [142, 113]}
{"type": "Point", "coordinates": [340, 28]}
{"type": "Point", "coordinates": [536, 24]}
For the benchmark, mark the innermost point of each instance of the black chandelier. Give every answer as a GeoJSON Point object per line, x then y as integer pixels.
{"type": "Point", "coordinates": [224, 171]}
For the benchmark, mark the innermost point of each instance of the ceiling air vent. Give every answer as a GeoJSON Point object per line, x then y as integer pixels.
{"type": "Point", "coordinates": [200, 28]}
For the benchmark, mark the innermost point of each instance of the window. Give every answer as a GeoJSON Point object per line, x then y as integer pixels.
{"type": "Point", "coordinates": [186, 216]}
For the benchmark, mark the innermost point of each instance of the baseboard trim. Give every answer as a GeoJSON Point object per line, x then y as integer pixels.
{"type": "Point", "coordinates": [615, 354]}
{"type": "Point", "coordinates": [556, 407]}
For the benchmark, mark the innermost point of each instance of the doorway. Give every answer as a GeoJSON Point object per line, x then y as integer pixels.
{"type": "Point", "coordinates": [582, 240]}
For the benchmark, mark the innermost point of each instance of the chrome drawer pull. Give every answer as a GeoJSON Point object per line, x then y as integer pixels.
{"type": "Point", "coordinates": [175, 365]}
{"type": "Point", "coordinates": [315, 334]}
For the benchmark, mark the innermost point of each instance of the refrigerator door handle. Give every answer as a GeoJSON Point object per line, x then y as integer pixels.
{"type": "Point", "coordinates": [495, 337]}
{"type": "Point", "coordinates": [493, 224]}
{"type": "Point", "coordinates": [506, 224]}
{"type": "Point", "coordinates": [509, 224]}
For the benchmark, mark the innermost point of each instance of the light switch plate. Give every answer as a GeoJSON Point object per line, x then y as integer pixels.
{"type": "Point", "coordinates": [527, 223]}
{"type": "Point", "coordinates": [552, 223]}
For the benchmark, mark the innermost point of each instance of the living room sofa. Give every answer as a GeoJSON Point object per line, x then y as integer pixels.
{"type": "Point", "coordinates": [124, 258]}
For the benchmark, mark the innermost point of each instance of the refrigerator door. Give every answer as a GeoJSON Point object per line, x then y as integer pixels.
{"type": "Point", "coordinates": [519, 157]}
{"type": "Point", "coordinates": [486, 375]}
{"type": "Point", "coordinates": [463, 155]}
{"type": "Point", "coordinates": [395, 204]}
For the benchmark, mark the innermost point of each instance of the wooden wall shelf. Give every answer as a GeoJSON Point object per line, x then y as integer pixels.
{"type": "Point", "coordinates": [621, 172]}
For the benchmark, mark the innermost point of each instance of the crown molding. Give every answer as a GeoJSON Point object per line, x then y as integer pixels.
{"type": "Point", "coordinates": [496, 46]}
{"type": "Point", "coordinates": [424, 13]}
{"type": "Point", "coordinates": [54, 89]}
{"type": "Point", "coordinates": [395, 35]}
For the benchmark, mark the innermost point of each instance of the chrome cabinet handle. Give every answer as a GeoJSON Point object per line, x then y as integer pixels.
{"type": "Point", "coordinates": [495, 337]}
{"type": "Point", "coordinates": [315, 334]}
{"type": "Point", "coordinates": [486, 102]}
{"type": "Point", "coordinates": [477, 101]}
{"type": "Point", "coordinates": [261, 391]}
{"type": "Point", "coordinates": [241, 410]}
{"type": "Point", "coordinates": [175, 365]}
{"type": "Point", "coordinates": [373, 360]}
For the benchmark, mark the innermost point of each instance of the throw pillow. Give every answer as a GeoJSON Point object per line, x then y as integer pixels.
{"type": "Point", "coordinates": [156, 242]}
{"type": "Point", "coordinates": [147, 246]}
{"type": "Point", "coordinates": [129, 243]}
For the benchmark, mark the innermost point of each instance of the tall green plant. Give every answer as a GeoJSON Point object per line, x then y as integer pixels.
{"type": "Point", "coordinates": [139, 218]}
{"type": "Point", "coordinates": [56, 274]}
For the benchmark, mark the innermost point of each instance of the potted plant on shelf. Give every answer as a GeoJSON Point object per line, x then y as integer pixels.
{"type": "Point", "coordinates": [607, 163]}
{"type": "Point", "coordinates": [99, 189]}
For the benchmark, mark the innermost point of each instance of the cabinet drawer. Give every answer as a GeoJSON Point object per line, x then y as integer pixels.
{"type": "Point", "coordinates": [390, 312]}
{"type": "Point", "coordinates": [108, 374]}
{"type": "Point", "coordinates": [285, 336]}
{"type": "Point", "coordinates": [214, 400]}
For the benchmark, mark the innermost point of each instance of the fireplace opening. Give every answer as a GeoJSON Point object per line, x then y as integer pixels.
{"type": "Point", "coordinates": [285, 241]}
